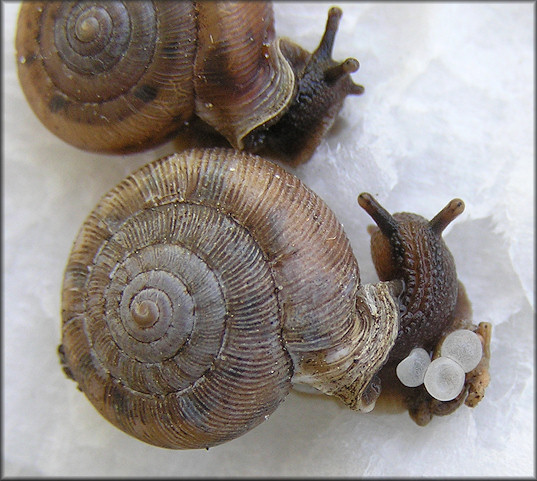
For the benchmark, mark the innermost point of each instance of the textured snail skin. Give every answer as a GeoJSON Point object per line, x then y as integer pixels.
{"type": "Point", "coordinates": [409, 247]}
{"type": "Point", "coordinates": [433, 302]}
{"type": "Point", "coordinates": [206, 283]}
{"type": "Point", "coordinates": [121, 77]}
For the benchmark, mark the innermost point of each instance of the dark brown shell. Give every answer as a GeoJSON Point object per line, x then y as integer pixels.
{"type": "Point", "coordinates": [105, 95]}
{"type": "Point", "coordinates": [247, 280]}
{"type": "Point", "coordinates": [122, 76]}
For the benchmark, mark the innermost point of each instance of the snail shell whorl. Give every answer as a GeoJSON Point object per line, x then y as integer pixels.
{"type": "Point", "coordinates": [242, 80]}
{"type": "Point", "coordinates": [122, 76]}
{"type": "Point", "coordinates": [199, 286]}
{"type": "Point", "coordinates": [108, 76]}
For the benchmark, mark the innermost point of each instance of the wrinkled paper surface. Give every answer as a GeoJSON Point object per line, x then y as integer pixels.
{"type": "Point", "coordinates": [447, 112]}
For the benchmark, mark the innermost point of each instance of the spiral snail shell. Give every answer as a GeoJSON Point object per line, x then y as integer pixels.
{"type": "Point", "coordinates": [206, 284]}
{"type": "Point", "coordinates": [124, 76]}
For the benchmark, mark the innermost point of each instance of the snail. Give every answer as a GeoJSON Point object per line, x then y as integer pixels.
{"type": "Point", "coordinates": [207, 284]}
{"type": "Point", "coordinates": [121, 77]}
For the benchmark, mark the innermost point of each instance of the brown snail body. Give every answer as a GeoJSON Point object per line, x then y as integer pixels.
{"type": "Point", "coordinates": [207, 283]}
{"type": "Point", "coordinates": [124, 76]}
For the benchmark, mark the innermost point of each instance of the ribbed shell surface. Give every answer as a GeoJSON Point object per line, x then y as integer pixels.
{"type": "Point", "coordinates": [108, 76]}
{"type": "Point", "coordinates": [122, 76]}
{"type": "Point", "coordinates": [194, 286]}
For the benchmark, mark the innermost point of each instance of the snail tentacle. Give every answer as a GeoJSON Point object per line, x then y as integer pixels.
{"type": "Point", "coordinates": [196, 295]}
{"type": "Point", "coordinates": [441, 220]}
{"type": "Point", "coordinates": [322, 86]}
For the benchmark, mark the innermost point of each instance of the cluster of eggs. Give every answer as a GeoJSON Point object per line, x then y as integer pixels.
{"type": "Point", "coordinates": [443, 377]}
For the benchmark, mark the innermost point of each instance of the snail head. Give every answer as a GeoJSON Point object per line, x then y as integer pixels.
{"type": "Point", "coordinates": [410, 248]}
{"type": "Point", "coordinates": [322, 85]}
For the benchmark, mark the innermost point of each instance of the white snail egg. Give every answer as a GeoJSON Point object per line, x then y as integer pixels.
{"type": "Point", "coordinates": [444, 379]}
{"type": "Point", "coordinates": [464, 347]}
{"type": "Point", "coordinates": [411, 370]}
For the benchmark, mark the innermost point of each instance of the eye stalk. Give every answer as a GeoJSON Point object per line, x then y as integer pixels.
{"type": "Point", "coordinates": [322, 56]}
{"type": "Point", "coordinates": [451, 211]}
{"type": "Point", "coordinates": [384, 220]}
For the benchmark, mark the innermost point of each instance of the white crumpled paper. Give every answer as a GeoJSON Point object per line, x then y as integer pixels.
{"type": "Point", "coordinates": [447, 112]}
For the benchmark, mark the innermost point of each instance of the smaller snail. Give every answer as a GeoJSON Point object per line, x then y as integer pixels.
{"type": "Point", "coordinates": [207, 284]}
{"type": "Point", "coordinates": [124, 76]}
{"type": "Point", "coordinates": [435, 320]}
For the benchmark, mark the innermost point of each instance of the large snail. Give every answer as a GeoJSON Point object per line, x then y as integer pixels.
{"type": "Point", "coordinates": [124, 76]}
{"type": "Point", "coordinates": [207, 283]}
